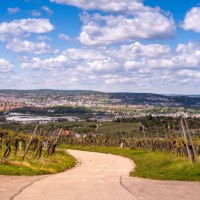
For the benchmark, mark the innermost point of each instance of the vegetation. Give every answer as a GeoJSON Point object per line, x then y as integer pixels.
{"type": "Point", "coordinates": [55, 111]}
{"type": "Point", "coordinates": [154, 126]}
{"type": "Point", "coordinates": [32, 154]}
{"type": "Point", "coordinates": [178, 147]}
{"type": "Point", "coordinates": [152, 165]}
{"type": "Point", "coordinates": [58, 162]}
{"type": "Point", "coordinates": [164, 125]}
{"type": "Point", "coordinates": [160, 153]}
{"type": "Point", "coordinates": [2, 117]}
{"type": "Point", "coordinates": [149, 138]}
{"type": "Point", "coordinates": [157, 100]}
{"type": "Point", "coordinates": [80, 127]}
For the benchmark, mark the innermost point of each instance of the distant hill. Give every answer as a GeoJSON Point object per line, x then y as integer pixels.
{"type": "Point", "coordinates": [48, 92]}
{"type": "Point", "coordinates": [157, 99]}
{"type": "Point", "coordinates": [120, 97]}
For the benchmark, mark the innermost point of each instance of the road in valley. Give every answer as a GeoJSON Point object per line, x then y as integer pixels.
{"type": "Point", "coordinates": [98, 177]}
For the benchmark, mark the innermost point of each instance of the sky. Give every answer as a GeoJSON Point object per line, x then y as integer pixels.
{"type": "Point", "coordinates": [138, 46]}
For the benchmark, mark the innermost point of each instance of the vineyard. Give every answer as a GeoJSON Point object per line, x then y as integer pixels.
{"type": "Point", "coordinates": [32, 153]}
{"type": "Point", "coordinates": [34, 146]}
{"type": "Point", "coordinates": [174, 139]}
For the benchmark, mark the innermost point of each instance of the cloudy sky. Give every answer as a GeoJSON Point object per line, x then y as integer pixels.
{"type": "Point", "coordinates": [104, 45]}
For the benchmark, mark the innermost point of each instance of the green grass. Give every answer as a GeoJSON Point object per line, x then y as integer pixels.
{"type": "Point", "coordinates": [58, 162]}
{"type": "Point", "coordinates": [153, 165]}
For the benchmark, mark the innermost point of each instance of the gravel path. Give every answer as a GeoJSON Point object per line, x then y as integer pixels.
{"type": "Point", "coordinates": [98, 177]}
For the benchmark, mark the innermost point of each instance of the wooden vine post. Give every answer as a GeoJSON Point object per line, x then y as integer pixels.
{"type": "Point", "coordinates": [30, 141]}
{"type": "Point", "coordinates": [188, 141]}
{"type": "Point", "coordinates": [145, 136]}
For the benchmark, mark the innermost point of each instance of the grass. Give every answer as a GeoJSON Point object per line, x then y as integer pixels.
{"type": "Point", "coordinates": [153, 165]}
{"type": "Point", "coordinates": [58, 162]}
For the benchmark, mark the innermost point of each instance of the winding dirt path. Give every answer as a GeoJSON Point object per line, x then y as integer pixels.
{"type": "Point", "coordinates": [98, 177]}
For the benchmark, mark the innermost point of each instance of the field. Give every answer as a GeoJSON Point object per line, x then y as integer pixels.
{"type": "Point", "coordinates": [104, 127]}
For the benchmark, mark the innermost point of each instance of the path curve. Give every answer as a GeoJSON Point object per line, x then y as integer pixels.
{"type": "Point", "coordinates": [99, 177]}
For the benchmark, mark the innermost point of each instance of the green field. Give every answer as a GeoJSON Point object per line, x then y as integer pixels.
{"type": "Point", "coordinates": [113, 127]}
{"type": "Point", "coordinates": [153, 165]}
{"type": "Point", "coordinates": [104, 127]}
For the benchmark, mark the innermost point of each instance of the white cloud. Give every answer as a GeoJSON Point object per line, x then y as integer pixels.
{"type": "Point", "coordinates": [187, 48]}
{"type": "Point", "coordinates": [192, 20]}
{"type": "Point", "coordinates": [5, 65]}
{"type": "Point", "coordinates": [154, 56]}
{"type": "Point", "coordinates": [133, 21]}
{"type": "Point", "coordinates": [37, 63]}
{"type": "Point", "coordinates": [24, 46]}
{"type": "Point", "coordinates": [47, 10]}
{"type": "Point", "coordinates": [102, 66]}
{"type": "Point", "coordinates": [125, 20]}
{"type": "Point", "coordinates": [105, 5]}
{"type": "Point", "coordinates": [135, 56]}
{"type": "Point", "coordinates": [64, 37]}
{"type": "Point", "coordinates": [98, 29]}
{"type": "Point", "coordinates": [13, 10]}
{"type": "Point", "coordinates": [189, 73]}
{"type": "Point", "coordinates": [83, 54]}
{"type": "Point", "coordinates": [67, 59]}
{"type": "Point", "coordinates": [30, 25]}
{"type": "Point", "coordinates": [150, 50]}
{"type": "Point", "coordinates": [122, 68]}
{"type": "Point", "coordinates": [188, 55]}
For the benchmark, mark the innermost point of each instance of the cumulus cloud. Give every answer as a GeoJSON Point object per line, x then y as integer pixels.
{"type": "Point", "coordinates": [98, 29]}
{"type": "Point", "coordinates": [105, 5]}
{"type": "Point", "coordinates": [149, 50]}
{"type": "Point", "coordinates": [136, 64]}
{"type": "Point", "coordinates": [106, 59]}
{"type": "Point", "coordinates": [5, 65]}
{"type": "Point", "coordinates": [191, 21]}
{"type": "Point", "coordinates": [70, 58]}
{"type": "Point", "coordinates": [24, 46]}
{"type": "Point", "coordinates": [37, 63]}
{"type": "Point", "coordinates": [134, 57]}
{"type": "Point", "coordinates": [102, 66]}
{"type": "Point", "coordinates": [125, 20]}
{"type": "Point", "coordinates": [30, 25]}
{"type": "Point", "coordinates": [13, 10]}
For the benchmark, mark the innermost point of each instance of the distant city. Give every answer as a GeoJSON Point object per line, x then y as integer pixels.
{"type": "Point", "coordinates": [103, 106]}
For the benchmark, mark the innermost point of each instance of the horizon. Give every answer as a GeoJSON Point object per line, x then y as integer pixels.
{"type": "Point", "coordinates": [165, 94]}
{"type": "Point", "coordinates": [142, 46]}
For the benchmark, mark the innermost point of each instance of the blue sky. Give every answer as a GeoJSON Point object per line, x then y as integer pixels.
{"type": "Point", "coordinates": [105, 45]}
